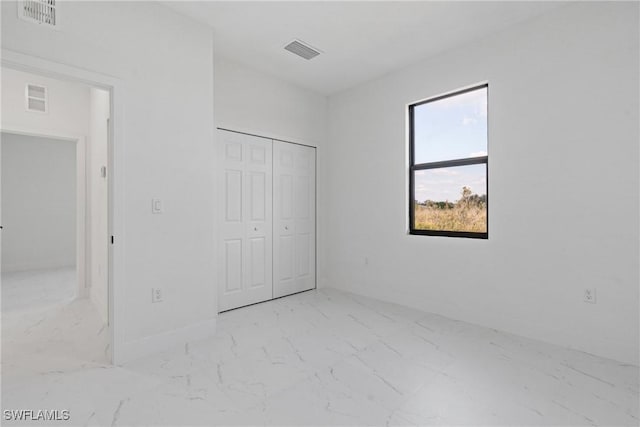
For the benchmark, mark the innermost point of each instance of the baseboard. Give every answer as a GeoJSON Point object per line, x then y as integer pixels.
{"type": "Point", "coordinates": [84, 293]}
{"type": "Point", "coordinates": [323, 282]}
{"type": "Point", "coordinates": [132, 350]}
{"type": "Point", "coordinates": [24, 268]}
{"type": "Point", "coordinates": [619, 352]}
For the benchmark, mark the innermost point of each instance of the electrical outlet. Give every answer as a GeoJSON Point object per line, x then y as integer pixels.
{"type": "Point", "coordinates": [366, 260]}
{"type": "Point", "coordinates": [156, 295]}
{"type": "Point", "coordinates": [590, 295]}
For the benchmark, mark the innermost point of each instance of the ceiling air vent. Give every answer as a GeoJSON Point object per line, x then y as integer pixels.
{"type": "Point", "coordinates": [38, 11]}
{"type": "Point", "coordinates": [36, 98]}
{"type": "Point", "coordinates": [302, 49]}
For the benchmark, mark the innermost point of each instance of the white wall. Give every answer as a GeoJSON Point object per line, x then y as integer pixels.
{"type": "Point", "coordinates": [68, 112]}
{"type": "Point", "coordinates": [38, 203]}
{"type": "Point", "coordinates": [98, 226]}
{"type": "Point", "coordinates": [165, 65]}
{"type": "Point", "coordinates": [67, 116]}
{"type": "Point", "coordinates": [254, 102]}
{"type": "Point", "coordinates": [563, 177]}
{"type": "Point", "coordinates": [247, 99]}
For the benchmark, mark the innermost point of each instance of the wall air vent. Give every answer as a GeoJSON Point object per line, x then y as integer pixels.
{"type": "Point", "coordinates": [36, 98]}
{"type": "Point", "coordinates": [38, 11]}
{"type": "Point", "coordinates": [302, 49]}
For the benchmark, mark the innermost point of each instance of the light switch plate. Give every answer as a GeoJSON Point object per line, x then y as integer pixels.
{"type": "Point", "coordinates": [156, 206]}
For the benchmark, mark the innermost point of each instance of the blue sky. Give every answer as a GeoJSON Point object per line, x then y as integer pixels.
{"type": "Point", "coordinates": [447, 129]}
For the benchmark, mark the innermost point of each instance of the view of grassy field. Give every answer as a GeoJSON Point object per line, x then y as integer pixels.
{"type": "Point", "coordinates": [469, 214]}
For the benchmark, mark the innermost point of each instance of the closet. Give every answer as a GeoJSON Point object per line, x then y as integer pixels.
{"type": "Point", "coordinates": [267, 219]}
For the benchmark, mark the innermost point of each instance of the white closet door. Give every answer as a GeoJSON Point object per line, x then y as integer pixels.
{"type": "Point", "coordinates": [294, 207]}
{"type": "Point", "coordinates": [246, 220]}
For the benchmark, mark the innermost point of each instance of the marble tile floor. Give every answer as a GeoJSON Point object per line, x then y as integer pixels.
{"type": "Point", "coordinates": [38, 289]}
{"type": "Point", "coordinates": [329, 358]}
{"type": "Point", "coordinates": [45, 328]}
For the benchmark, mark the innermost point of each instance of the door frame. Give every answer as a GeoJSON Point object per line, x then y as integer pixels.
{"type": "Point", "coordinates": [82, 259]}
{"type": "Point", "coordinates": [115, 170]}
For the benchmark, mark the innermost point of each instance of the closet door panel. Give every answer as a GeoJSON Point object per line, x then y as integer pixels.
{"type": "Point", "coordinates": [246, 226]}
{"type": "Point", "coordinates": [258, 262]}
{"type": "Point", "coordinates": [294, 218]}
{"type": "Point", "coordinates": [232, 266]}
{"type": "Point", "coordinates": [233, 195]}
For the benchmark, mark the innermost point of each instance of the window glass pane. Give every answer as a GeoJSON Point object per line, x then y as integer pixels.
{"type": "Point", "coordinates": [451, 199]}
{"type": "Point", "coordinates": [451, 128]}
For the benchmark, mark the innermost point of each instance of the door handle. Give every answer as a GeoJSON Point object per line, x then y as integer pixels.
{"type": "Point", "coordinates": [286, 227]}
{"type": "Point", "coordinates": [255, 228]}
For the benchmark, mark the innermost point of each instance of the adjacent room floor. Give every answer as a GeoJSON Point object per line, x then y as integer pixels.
{"type": "Point", "coordinates": [25, 291]}
{"type": "Point", "coordinates": [46, 330]}
{"type": "Point", "coordinates": [328, 358]}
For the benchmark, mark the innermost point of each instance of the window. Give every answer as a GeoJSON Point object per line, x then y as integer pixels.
{"type": "Point", "coordinates": [448, 165]}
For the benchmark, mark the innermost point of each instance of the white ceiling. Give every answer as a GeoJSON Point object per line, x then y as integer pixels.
{"type": "Point", "coordinates": [360, 40]}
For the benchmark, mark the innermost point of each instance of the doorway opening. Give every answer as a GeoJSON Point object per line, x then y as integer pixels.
{"type": "Point", "coordinates": [54, 206]}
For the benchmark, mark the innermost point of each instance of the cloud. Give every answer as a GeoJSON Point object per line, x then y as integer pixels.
{"type": "Point", "coordinates": [444, 172]}
{"type": "Point", "coordinates": [478, 154]}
